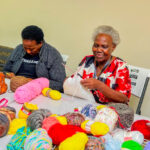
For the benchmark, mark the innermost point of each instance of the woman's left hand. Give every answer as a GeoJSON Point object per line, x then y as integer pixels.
{"type": "Point", "coordinates": [90, 83]}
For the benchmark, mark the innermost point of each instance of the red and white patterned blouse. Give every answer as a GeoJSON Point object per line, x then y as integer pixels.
{"type": "Point", "coordinates": [115, 76]}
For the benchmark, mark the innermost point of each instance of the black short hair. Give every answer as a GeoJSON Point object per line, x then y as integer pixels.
{"type": "Point", "coordinates": [33, 32]}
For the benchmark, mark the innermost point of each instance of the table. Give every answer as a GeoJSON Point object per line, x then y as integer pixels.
{"type": "Point", "coordinates": [66, 104]}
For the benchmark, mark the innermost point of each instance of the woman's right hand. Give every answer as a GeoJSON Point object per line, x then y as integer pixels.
{"type": "Point", "coordinates": [9, 75]}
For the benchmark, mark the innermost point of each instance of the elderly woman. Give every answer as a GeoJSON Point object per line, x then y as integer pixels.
{"type": "Point", "coordinates": [105, 75]}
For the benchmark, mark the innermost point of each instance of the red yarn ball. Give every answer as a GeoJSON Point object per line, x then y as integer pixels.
{"type": "Point", "coordinates": [143, 126]}
{"type": "Point", "coordinates": [59, 132]}
{"type": "Point", "coordinates": [49, 122]}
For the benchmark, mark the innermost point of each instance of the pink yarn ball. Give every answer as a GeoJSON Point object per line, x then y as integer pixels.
{"type": "Point", "coordinates": [49, 122]}
{"type": "Point", "coordinates": [30, 90]}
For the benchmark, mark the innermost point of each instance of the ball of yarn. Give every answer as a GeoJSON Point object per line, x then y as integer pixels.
{"type": "Point", "coordinates": [18, 81]}
{"type": "Point", "coordinates": [132, 145]}
{"type": "Point", "coordinates": [75, 142]}
{"type": "Point", "coordinates": [110, 143]}
{"type": "Point", "coordinates": [30, 90]}
{"type": "Point", "coordinates": [95, 128]}
{"type": "Point", "coordinates": [35, 120]}
{"type": "Point", "coordinates": [26, 110]}
{"type": "Point", "coordinates": [16, 124]}
{"type": "Point", "coordinates": [59, 132]}
{"type": "Point", "coordinates": [4, 124]}
{"type": "Point", "coordinates": [9, 111]}
{"type": "Point", "coordinates": [122, 135]}
{"type": "Point", "coordinates": [49, 122]}
{"type": "Point", "coordinates": [89, 111]}
{"type": "Point", "coordinates": [142, 126]}
{"type": "Point", "coordinates": [38, 139]}
{"type": "Point", "coordinates": [53, 94]}
{"type": "Point", "coordinates": [74, 119]}
{"type": "Point", "coordinates": [94, 143]}
{"type": "Point", "coordinates": [125, 113]}
{"type": "Point", "coordinates": [108, 116]}
{"type": "Point", "coordinates": [62, 119]}
{"type": "Point", "coordinates": [17, 141]}
{"type": "Point", "coordinates": [147, 147]}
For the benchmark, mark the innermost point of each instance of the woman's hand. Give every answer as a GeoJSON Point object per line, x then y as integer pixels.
{"type": "Point", "coordinates": [90, 83]}
{"type": "Point", "coordinates": [9, 75]}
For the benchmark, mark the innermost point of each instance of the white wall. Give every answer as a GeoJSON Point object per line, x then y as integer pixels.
{"type": "Point", "coordinates": [68, 25]}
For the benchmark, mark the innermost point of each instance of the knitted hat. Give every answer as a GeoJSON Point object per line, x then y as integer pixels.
{"type": "Point", "coordinates": [38, 139]}
{"type": "Point", "coordinates": [18, 81]}
{"type": "Point", "coordinates": [35, 120]}
{"type": "Point", "coordinates": [126, 114]}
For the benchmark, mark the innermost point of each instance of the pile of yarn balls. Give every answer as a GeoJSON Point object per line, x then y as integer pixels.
{"type": "Point", "coordinates": [72, 131]}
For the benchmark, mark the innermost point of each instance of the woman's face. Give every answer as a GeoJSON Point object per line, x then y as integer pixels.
{"type": "Point", "coordinates": [103, 47]}
{"type": "Point", "coordinates": [31, 46]}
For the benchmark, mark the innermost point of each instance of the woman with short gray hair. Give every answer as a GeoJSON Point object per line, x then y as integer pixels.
{"type": "Point", "coordinates": [105, 75]}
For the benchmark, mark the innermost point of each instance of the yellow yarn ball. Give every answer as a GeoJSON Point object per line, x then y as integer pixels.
{"type": "Point", "coordinates": [75, 142]}
{"type": "Point", "coordinates": [98, 128]}
{"type": "Point", "coordinates": [62, 120]}
{"type": "Point", "coordinates": [95, 128]}
{"type": "Point", "coordinates": [100, 107]}
{"type": "Point", "coordinates": [44, 91]}
{"type": "Point", "coordinates": [16, 124]}
{"type": "Point", "coordinates": [26, 110]}
{"type": "Point", "coordinates": [83, 124]}
{"type": "Point", "coordinates": [54, 94]}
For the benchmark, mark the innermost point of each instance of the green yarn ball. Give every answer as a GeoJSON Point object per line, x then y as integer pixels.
{"type": "Point", "coordinates": [131, 145]}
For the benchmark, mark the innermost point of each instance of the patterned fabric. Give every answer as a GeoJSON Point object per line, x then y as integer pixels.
{"type": "Point", "coordinates": [115, 76]}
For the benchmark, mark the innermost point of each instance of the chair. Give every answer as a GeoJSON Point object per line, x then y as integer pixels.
{"type": "Point", "coordinates": [139, 81]}
{"type": "Point", "coordinates": [4, 53]}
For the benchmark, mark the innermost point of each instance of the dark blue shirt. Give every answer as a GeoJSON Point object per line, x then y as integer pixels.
{"type": "Point", "coordinates": [28, 66]}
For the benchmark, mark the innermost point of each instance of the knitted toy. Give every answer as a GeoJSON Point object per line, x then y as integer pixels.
{"type": "Point", "coordinates": [3, 85]}
{"type": "Point", "coordinates": [125, 113]}
{"type": "Point", "coordinates": [132, 145]}
{"type": "Point", "coordinates": [59, 132]}
{"type": "Point", "coordinates": [18, 140]}
{"type": "Point", "coordinates": [108, 116]}
{"type": "Point", "coordinates": [35, 120]}
{"type": "Point", "coordinates": [53, 94]}
{"type": "Point", "coordinates": [30, 90]}
{"type": "Point", "coordinates": [95, 128]}
{"type": "Point", "coordinates": [122, 135]}
{"type": "Point", "coordinates": [26, 110]}
{"type": "Point", "coordinates": [143, 126]}
{"type": "Point", "coordinates": [75, 142]}
{"type": "Point", "coordinates": [74, 118]}
{"type": "Point", "coordinates": [94, 143]}
{"type": "Point", "coordinates": [38, 140]}
{"type": "Point", "coordinates": [18, 81]}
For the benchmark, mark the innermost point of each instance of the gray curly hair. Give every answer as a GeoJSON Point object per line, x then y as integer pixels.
{"type": "Point", "coordinates": [104, 29]}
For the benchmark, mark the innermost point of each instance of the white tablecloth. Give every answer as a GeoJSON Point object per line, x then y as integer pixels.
{"type": "Point", "coordinates": [66, 104]}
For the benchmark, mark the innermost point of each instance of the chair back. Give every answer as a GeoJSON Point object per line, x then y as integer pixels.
{"type": "Point", "coordinates": [139, 81]}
